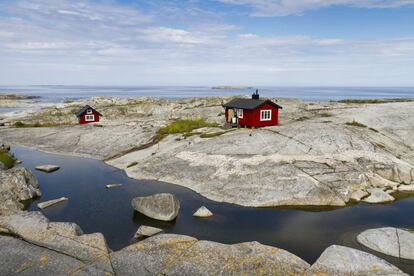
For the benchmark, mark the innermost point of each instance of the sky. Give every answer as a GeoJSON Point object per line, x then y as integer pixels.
{"type": "Point", "coordinates": [207, 42]}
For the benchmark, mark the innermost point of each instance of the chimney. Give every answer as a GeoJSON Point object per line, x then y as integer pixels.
{"type": "Point", "coordinates": [255, 96]}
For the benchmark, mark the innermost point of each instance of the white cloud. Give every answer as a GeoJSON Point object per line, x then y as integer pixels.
{"type": "Point", "coordinates": [77, 41]}
{"type": "Point", "coordinates": [290, 7]}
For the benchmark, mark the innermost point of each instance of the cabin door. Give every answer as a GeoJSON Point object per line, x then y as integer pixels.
{"type": "Point", "coordinates": [230, 115]}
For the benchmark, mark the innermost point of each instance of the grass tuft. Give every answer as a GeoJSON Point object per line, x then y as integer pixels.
{"type": "Point", "coordinates": [303, 118]}
{"type": "Point", "coordinates": [20, 124]}
{"type": "Point", "coordinates": [325, 115]}
{"type": "Point", "coordinates": [355, 123]}
{"type": "Point", "coordinates": [132, 164]}
{"type": "Point", "coordinates": [184, 126]}
{"type": "Point", "coordinates": [212, 134]}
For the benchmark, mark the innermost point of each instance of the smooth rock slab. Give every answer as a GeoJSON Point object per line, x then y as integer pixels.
{"type": "Point", "coordinates": [341, 260]}
{"type": "Point", "coordinates": [62, 237]}
{"type": "Point", "coordinates": [47, 168]}
{"type": "Point", "coordinates": [23, 258]}
{"type": "Point", "coordinates": [159, 206]}
{"type": "Point", "coordinates": [377, 195]}
{"type": "Point", "coordinates": [167, 254]}
{"type": "Point", "coordinates": [406, 188]}
{"type": "Point", "coordinates": [43, 205]}
{"type": "Point", "coordinates": [146, 231]}
{"type": "Point", "coordinates": [390, 241]}
{"type": "Point", "coordinates": [203, 212]}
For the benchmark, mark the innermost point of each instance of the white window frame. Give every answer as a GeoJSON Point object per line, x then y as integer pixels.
{"type": "Point", "coordinates": [90, 118]}
{"type": "Point", "coordinates": [240, 113]}
{"type": "Point", "coordinates": [264, 118]}
{"type": "Point", "coordinates": [89, 111]}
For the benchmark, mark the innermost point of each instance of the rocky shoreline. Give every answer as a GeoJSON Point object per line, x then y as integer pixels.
{"type": "Point", "coordinates": [31, 244]}
{"type": "Point", "coordinates": [322, 154]}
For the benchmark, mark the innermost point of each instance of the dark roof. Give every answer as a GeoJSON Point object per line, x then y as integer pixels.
{"type": "Point", "coordinates": [83, 110]}
{"type": "Point", "coordinates": [249, 103]}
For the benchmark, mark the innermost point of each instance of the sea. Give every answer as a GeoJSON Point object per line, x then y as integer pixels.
{"type": "Point", "coordinates": [59, 93]}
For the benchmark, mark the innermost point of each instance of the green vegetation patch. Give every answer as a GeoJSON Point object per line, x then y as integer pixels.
{"type": "Point", "coordinates": [355, 123]}
{"type": "Point", "coordinates": [325, 115]}
{"type": "Point", "coordinates": [7, 159]}
{"type": "Point", "coordinates": [303, 118]}
{"type": "Point", "coordinates": [20, 124]}
{"type": "Point", "coordinates": [375, 101]}
{"type": "Point", "coordinates": [213, 134]}
{"type": "Point", "coordinates": [96, 125]}
{"type": "Point", "coordinates": [184, 126]}
{"type": "Point", "coordinates": [132, 164]}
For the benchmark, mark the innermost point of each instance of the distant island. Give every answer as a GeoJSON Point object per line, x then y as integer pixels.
{"type": "Point", "coordinates": [231, 87]}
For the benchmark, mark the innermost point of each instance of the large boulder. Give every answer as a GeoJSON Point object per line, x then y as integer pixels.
{"type": "Point", "coordinates": [389, 241]}
{"type": "Point", "coordinates": [168, 254]}
{"type": "Point", "coordinates": [341, 260]}
{"type": "Point", "coordinates": [16, 185]}
{"type": "Point", "coordinates": [64, 238]}
{"type": "Point", "coordinates": [159, 206]}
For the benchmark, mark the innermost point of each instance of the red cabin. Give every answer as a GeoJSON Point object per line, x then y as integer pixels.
{"type": "Point", "coordinates": [88, 115]}
{"type": "Point", "coordinates": [252, 112]}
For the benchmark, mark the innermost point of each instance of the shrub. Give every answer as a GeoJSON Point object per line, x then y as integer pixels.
{"type": "Point", "coordinates": [7, 159]}
{"type": "Point", "coordinates": [19, 124]}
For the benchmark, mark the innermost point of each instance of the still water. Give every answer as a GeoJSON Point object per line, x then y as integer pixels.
{"type": "Point", "coordinates": [305, 233]}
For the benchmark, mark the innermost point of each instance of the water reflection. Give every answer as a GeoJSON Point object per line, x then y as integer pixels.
{"type": "Point", "coordinates": [305, 233]}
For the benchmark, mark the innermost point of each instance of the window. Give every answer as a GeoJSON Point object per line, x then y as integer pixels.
{"type": "Point", "coordinates": [240, 113]}
{"type": "Point", "coordinates": [90, 118]}
{"type": "Point", "coordinates": [89, 111]}
{"type": "Point", "coordinates": [265, 115]}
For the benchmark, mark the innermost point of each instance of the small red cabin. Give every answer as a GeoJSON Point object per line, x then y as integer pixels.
{"type": "Point", "coordinates": [252, 112]}
{"type": "Point", "coordinates": [88, 115]}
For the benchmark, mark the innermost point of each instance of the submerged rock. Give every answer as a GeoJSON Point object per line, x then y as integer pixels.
{"type": "Point", "coordinates": [47, 168]}
{"type": "Point", "coordinates": [341, 260]}
{"type": "Point", "coordinates": [389, 241]}
{"type": "Point", "coordinates": [43, 205]}
{"type": "Point", "coordinates": [203, 212]}
{"type": "Point", "coordinates": [16, 185]}
{"type": "Point", "coordinates": [167, 254]}
{"type": "Point", "coordinates": [377, 195]}
{"type": "Point", "coordinates": [159, 206]}
{"type": "Point", "coordinates": [110, 186]}
{"type": "Point", "coordinates": [146, 231]}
